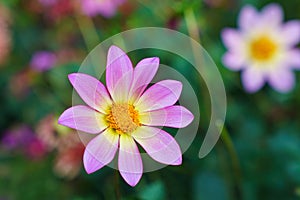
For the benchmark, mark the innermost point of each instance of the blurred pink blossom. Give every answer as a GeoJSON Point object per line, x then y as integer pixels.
{"type": "Point", "coordinates": [46, 132]}
{"type": "Point", "coordinates": [17, 137]}
{"type": "Point", "coordinates": [106, 8]}
{"type": "Point", "coordinates": [22, 138]}
{"type": "Point", "coordinates": [263, 48]}
{"type": "Point", "coordinates": [68, 159]}
{"type": "Point", "coordinates": [65, 143]}
{"type": "Point", "coordinates": [43, 61]}
{"type": "Point", "coordinates": [21, 82]}
{"type": "Point", "coordinates": [55, 9]}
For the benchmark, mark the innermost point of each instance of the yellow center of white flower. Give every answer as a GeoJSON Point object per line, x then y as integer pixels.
{"type": "Point", "coordinates": [123, 118]}
{"type": "Point", "coordinates": [263, 48]}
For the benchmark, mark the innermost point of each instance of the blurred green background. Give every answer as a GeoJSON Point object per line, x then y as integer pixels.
{"type": "Point", "coordinates": [41, 160]}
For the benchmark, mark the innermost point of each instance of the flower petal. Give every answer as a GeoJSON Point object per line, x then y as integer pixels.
{"type": "Point", "coordinates": [162, 94]}
{"type": "Point", "coordinates": [293, 58]}
{"type": "Point", "coordinates": [90, 163]}
{"type": "Point", "coordinates": [232, 39]}
{"type": "Point", "coordinates": [83, 118]}
{"type": "Point", "coordinates": [282, 80]}
{"type": "Point", "coordinates": [233, 61]}
{"type": "Point", "coordinates": [119, 74]}
{"type": "Point", "coordinates": [173, 116]}
{"type": "Point", "coordinates": [291, 32]}
{"type": "Point", "coordinates": [247, 17]}
{"type": "Point", "coordinates": [100, 151]}
{"type": "Point", "coordinates": [91, 90]}
{"type": "Point", "coordinates": [272, 15]}
{"type": "Point", "coordinates": [253, 80]}
{"type": "Point", "coordinates": [130, 161]}
{"type": "Point", "coordinates": [160, 145]}
{"type": "Point", "coordinates": [144, 72]}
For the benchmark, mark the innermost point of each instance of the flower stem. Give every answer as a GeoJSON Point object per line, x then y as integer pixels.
{"type": "Point", "coordinates": [117, 185]}
{"type": "Point", "coordinates": [88, 31]}
{"type": "Point", "coordinates": [225, 137]}
{"type": "Point", "coordinates": [191, 24]}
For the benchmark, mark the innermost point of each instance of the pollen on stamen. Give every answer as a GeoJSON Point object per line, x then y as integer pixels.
{"type": "Point", "coordinates": [123, 118]}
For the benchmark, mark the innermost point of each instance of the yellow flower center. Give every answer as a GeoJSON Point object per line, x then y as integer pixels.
{"type": "Point", "coordinates": [263, 48]}
{"type": "Point", "coordinates": [123, 118]}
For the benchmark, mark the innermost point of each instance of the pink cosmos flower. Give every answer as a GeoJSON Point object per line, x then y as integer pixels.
{"type": "Point", "coordinates": [124, 113]}
{"type": "Point", "coordinates": [263, 48]}
{"type": "Point", "coordinates": [106, 8]}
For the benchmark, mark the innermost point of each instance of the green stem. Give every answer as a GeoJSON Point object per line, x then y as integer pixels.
{"type": "Point", "coordinates": [88, 31]}
{"type": "Point", "coordinates": [191, 24]}
{"type": "Point", "coordinates": [225, 137]}
{"type": "Point", "coordinates": [117, 186]}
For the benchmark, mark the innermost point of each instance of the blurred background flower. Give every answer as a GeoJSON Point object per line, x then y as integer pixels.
{"type": "Point", "coordinates": [263, 48]}
{"type": "Point", "coordinates": [21, 138]}
{"type": "Point", "coordinates": [106, 8]}
{"type": "Point", "coordinates": [43, 60]}
{"type": "Point", "coordinates": [68, 162]}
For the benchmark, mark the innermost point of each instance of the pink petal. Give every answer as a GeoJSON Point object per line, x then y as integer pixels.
{"type": "Point", "coordinates": [173, 116]}
{"type": "Point", "coordinates": [253, 80]}
{"type": "Point", "coordinates": [282, 80]}
{"type": "Point", "coordinates": [91, 90]}
{"type": "Point", "coordinates": [247, 17]}
{"type": "Point", "coordinates": [105, 8]}
{"type": "Point", "coordinates": [291, 32]}
{"type": "Point", "coordinates": [90, 163]}
{"type": "Point", "coordinates": [130, 161]}
{"type": "Point", "coordinates": [160, 145]}
{"type": "Point", "coordinates": [293, 58]}
{"type": "Point", "coordinates": [233, 61]}
{"type": "Point", "coordinates": [83, 118]}
{"type": "Point", "coordinates": [144, 72]}
{"type": "Point", "coordinates": [272, 15]}
{"type": "Point", "coordinates": [162, 94]}
{"type": "Point", "coordinates": [232, 39]}
{"type": "Point", "coordinates": [119, 74]}
{"type": "Point", "coordinates": [100, 151]}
